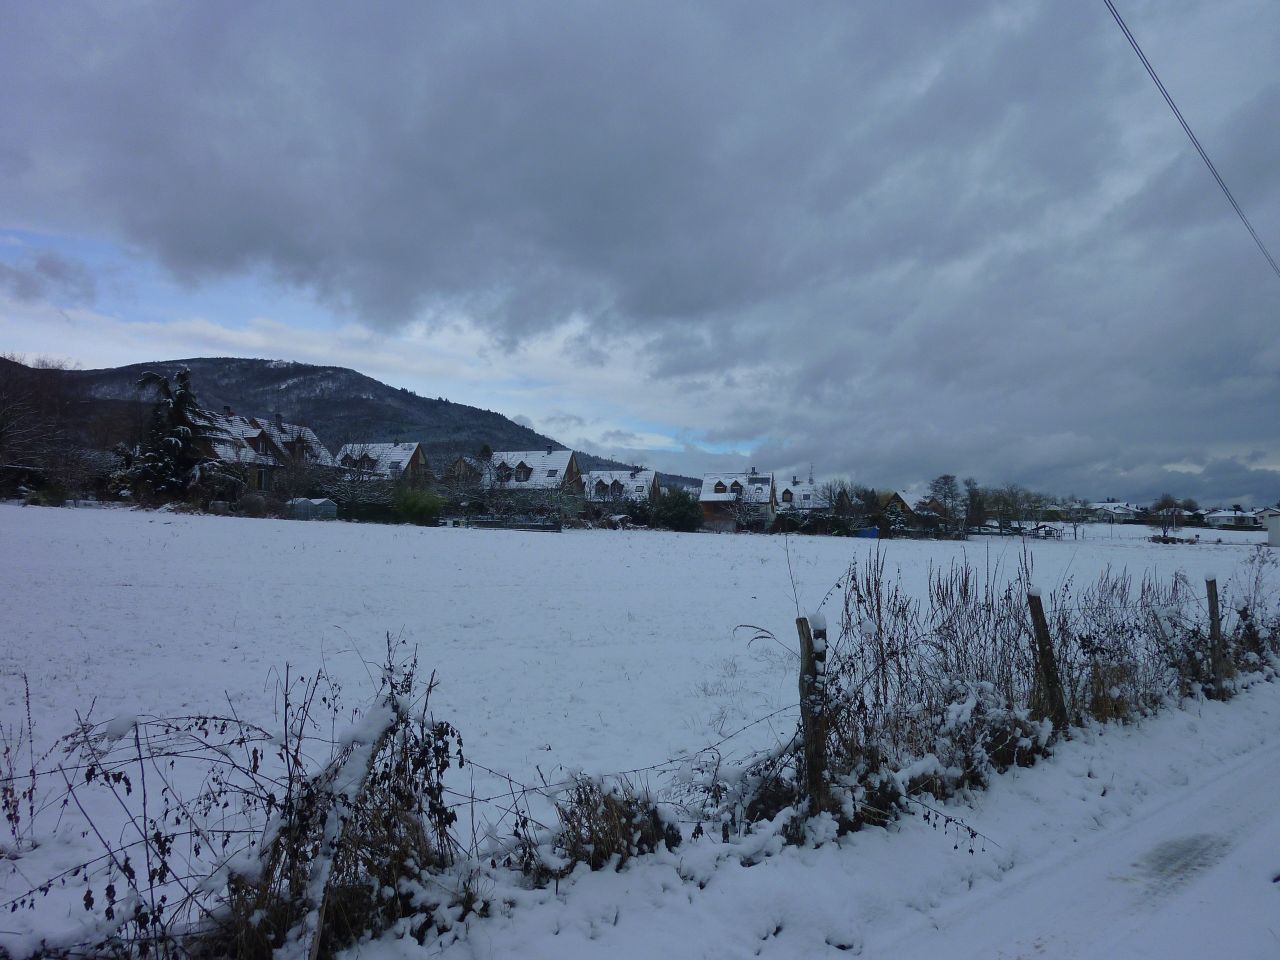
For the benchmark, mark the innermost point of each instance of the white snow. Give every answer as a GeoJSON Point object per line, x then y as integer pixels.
{"type": "Point", "coordinates": [608, 651]}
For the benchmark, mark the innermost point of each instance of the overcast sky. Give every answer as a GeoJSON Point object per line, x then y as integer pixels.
{"type": "Point", "coordinates": [890, 240]}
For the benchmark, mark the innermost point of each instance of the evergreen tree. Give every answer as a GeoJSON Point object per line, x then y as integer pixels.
{"type": "Point", "coordinates": [677, 510]}
{"type": "Point", "coordinates": [176, 460]}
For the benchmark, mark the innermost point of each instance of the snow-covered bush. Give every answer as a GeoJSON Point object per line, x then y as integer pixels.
{"type": "Point", "coordinates": [933, 695]}
{"type": "Point", "coordinates": [218, 837]}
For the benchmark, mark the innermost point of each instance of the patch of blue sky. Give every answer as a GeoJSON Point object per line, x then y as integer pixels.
{"type": "Point", "coordinates": [132, 286]}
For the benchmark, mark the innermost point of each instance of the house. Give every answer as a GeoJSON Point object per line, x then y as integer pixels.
{"type": "Point", "coordinates": [548, 470]}
{"type": "Point", "coordinates": [1112, 512]}
{"type": "Point", "coordinates": [1235, 517]}
{"type": "Point", "coordinates": [798, 496]}
{"type": "Point", "coordinates": [1265, 514]}
{"type": "Point", "coordinates": [611, 486]}
{"type": "Point", "coordinates": [390, 461]}
{"type": "Point", "coordinates": [895, 504]}
{"type": "Point", "coordinates": [262, 448]}
{"type": "Point", "coordinates": [733, 501]}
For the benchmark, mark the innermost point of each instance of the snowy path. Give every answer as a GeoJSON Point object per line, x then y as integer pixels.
{"type": "Point", "coordinates": [1182, 880]}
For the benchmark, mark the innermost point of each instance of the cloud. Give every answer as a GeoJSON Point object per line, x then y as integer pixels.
{"type": "Point", "coordinates": [891, 241]}
{"type": "Point", "coordinates": [48, 276]}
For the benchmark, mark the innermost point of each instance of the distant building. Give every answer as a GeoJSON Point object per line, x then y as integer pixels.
{"type": "Point", "coordinates": [264, 447]}
{"type": "Point", "coordinates": [614, 486]}
{"type": "Point", "coordinates": [390, 461]}
{"type": "Point", "coordinates": [798, 496]}
{"type": "Point", "coordinates": [1111, 512]}
{"type": "Point", "coordinates": [1233, 518]}
{"type": "Point", "coordinates": [523, 470]}
{"type": "Point", "coordinates": [737, 501]}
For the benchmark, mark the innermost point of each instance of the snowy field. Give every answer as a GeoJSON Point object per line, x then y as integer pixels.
{"type": "Point", "coordinates": [607, 651]}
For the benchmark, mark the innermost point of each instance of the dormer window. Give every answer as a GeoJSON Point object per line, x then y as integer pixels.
{"type": "Point", "coordinates": [523, 473]}
{"type": "Point", "coordinates": [787, 496]}
{"type": "Point", "coordinates": [720, 487]}
{"type": "Point", "coordinates": [735, 487]}
{"type": "Point", "coordinates": [503, 473]}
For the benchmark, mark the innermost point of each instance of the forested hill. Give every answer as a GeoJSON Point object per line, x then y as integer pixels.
{"type": "Point", "coordinates": [339, 404]}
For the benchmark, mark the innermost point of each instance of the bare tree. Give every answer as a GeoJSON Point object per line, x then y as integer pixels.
{"type": "Point", "coordinates": [20, 428]}
{"type": "Point", "coordinates": [1165, 514]}
{"type": "Point", "coordinates": [944, 491]}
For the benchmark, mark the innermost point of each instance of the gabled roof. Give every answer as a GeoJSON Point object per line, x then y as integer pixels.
{"type": "Point", "coordinates": [233, 443]}
{"type": "Point", "coordinates": [636, 484]}
{"type": "Point", "coordinates": [884, 499]}
{"type": "Point", "coordinates": [1230, 515]}
{"type": "Point", "coordinates": [240, 435]}
{"type": "Point", "coordinates": [756, 487]}
{"type": "Point", "coordinates": [547, 469]}
{"type": "Point", "coordinates": [388, 459]}
{"type": "Point", "coordinates": [804, 494]}
{"type": "Point", "coordinates": [283, 433]}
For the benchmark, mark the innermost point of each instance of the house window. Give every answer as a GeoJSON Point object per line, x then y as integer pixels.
{"type": "Point", "coordinates": [504, 473]}
{"type": "Point", "coordinates": [787, 496]}
{"type": "Point", "coordinates": [523, 473]}
{"type": "Point", "coordinates": [804, 496]}
{"type": "Point", "coordinates": [262, 478]}
{"type": "Point", "coordinates": [720, 487]}
{"type": "Point", "coordinates": [395, 467]}
{"type": "Point", "coordinates": [551, 474]}
{"type": "Point", "coordinates": [639, 488]}
{"type": "Point", "coordinates": [735, 487]}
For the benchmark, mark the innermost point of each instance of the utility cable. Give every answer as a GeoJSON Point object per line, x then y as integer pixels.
{"type": "Point", "coordinates": [1133, 42]}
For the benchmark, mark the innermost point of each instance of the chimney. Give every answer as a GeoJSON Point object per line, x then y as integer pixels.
{"type": "Point", "coordinates": [280, 421]}
{"type": "Point", "coordinates": [794, 480]}
{"type": "Point", "coordinates": [226, 409]}
{"type": "Point", "coordinates": [550, 449]}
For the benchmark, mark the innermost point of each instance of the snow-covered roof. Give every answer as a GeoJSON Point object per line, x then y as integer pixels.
{"type": "Point", "coordinates": [545, 469]}
{"type": "Point", "coordinates": [284, 434]}
{"type": "Point", "coordinates": [1112, 507]}
{"type": "Point", "coordinates": [241, 440]}
{"type": "Point", "coordinates": [635, 484]}
{"type": "Point", "coordinates": [237, 440]}
{"type": "Point", "coordinates": [388, 459]}
{"type": "Point", "coordinates": [755, 487]}
{"type": "Point", "coordinates": [804, 494]}
{"type": "Point", "coordinates": [1230, 515]}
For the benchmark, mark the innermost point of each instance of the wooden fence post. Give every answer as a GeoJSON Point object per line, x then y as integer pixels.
{"type": "Point", "coordinates": [1217, 648]}
{"type": "Point", "coordinates": [1052, 703]}
{"type": "Point", "coordinates": [813, 702]}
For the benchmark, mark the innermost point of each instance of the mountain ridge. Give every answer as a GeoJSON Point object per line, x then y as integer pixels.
{"type": "Point", "coordinates": [340, 404]}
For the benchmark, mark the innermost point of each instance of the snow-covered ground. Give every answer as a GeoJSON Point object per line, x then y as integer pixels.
{"type": "Point", "coordinates": [607, 651]}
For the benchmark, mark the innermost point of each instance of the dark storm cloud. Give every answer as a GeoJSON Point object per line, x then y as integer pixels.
{"type": "Point", "coordinates": [902, 239]}
{"type": "Point", "coordinates": [48, 277]}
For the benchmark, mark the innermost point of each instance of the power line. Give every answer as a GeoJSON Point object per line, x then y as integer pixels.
{"type": "Point", "coordinates": [1133, 42]}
